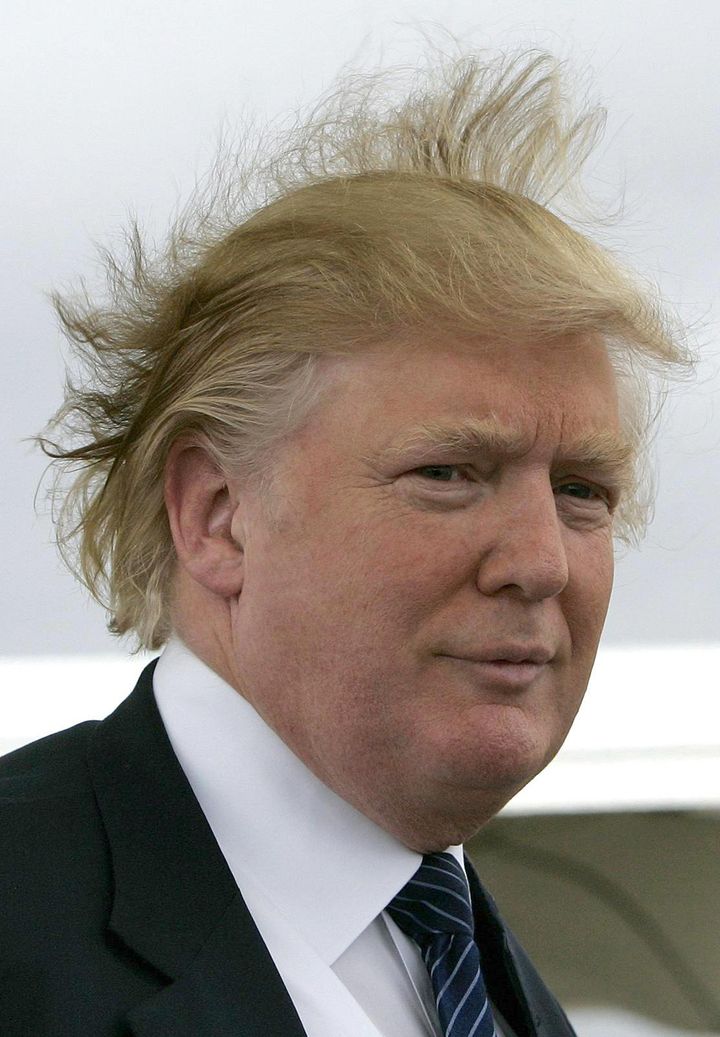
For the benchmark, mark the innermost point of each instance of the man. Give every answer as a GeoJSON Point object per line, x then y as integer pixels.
{"type": "Point", "coordinates": [357, 458]}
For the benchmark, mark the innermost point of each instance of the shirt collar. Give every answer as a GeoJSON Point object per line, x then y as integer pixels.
{"type": "Point", "coordinates": [323, 864]}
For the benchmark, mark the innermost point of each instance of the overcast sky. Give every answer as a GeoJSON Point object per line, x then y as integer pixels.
{"type": "Point", "coordinates": [108, 107]}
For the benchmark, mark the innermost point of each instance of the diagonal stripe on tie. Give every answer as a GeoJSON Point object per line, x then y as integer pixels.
{"type": "Point", "coordinates": [434, 910]}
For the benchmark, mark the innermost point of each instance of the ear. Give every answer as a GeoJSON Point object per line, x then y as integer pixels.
{"type": "Point", "coordinates": [200, 510]}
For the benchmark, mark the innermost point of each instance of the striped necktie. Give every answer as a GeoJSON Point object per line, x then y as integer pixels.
{"type": "Point", "coordinates": [434, 910]}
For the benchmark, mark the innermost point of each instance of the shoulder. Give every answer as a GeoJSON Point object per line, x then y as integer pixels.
{"type": "Point", "coordinates": [59, 973]}
{"type": "Point", "coordinates": [42, 786]}
{"type": "Point", "coordinates": [38, 766]}
{"type": "Point", "coordinates": [44, 779]}
{"type": "Point", "coordinates": [54, 850]}
{"type": "Point", "coordinates": [57, 881]}
{"type": "Point", "coordinates": [51, 837]}
{"type": "Point", "coordinates": [50, 821]}
{"type": "Point", "coordinates": [57, 769]}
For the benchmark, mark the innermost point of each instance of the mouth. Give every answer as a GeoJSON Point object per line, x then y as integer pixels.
{"type": "Point", "coordinates": [511, 670]}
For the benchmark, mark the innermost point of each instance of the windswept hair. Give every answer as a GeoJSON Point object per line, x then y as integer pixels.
{"type": "Point", "coordinates": [386, 209]}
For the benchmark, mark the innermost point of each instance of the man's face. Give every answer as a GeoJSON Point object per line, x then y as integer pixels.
{"type": "Point", "coordinates": [424, 594]}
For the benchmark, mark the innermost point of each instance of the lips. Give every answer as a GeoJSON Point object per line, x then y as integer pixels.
{"type": "Point", "coordinates": [537, 655]}
{"type": "Point", "coordinates": [508, 668]}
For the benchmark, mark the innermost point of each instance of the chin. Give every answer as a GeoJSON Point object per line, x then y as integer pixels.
{"type": "Point", "coordinates": [452, 812]}
{"type": "Point", "coordinates": [433, 833]}
{"type": "Point", "coordinates": [498, 761]}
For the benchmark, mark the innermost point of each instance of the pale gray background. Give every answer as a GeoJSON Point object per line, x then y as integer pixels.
{"type": "Point", "coordinates": [108, 106]}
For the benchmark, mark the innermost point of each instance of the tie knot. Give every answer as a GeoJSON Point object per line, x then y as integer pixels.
{"type": "Point", "coordinates": [435, 900]}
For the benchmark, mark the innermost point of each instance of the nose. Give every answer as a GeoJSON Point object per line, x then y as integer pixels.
{"type": "Point", "coordinates": [524, 544]}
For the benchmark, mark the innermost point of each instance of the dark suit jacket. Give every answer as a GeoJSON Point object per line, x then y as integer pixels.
{"type": "Point", "coordinates": [119, 915]}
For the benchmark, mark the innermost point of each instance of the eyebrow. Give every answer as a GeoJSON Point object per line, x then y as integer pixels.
{"type": "Point", "coordinates": [607, 451]}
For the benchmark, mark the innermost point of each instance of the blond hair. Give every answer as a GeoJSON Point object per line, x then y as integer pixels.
{"type": "Point", "coordinates": [370, 218]}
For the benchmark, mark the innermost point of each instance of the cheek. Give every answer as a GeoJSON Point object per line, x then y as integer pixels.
{"type": "Point", "coordinates": [416, 552]}
{"type": "Point", "coordinates": [387, 556]}
{"type": "Point", "coordinates": [588, 593]}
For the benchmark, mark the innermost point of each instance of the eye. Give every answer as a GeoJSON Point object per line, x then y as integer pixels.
{"type": "Point", "coordinates": [440, 473]}
{"type": "Point", "coordinates": [584, 491]}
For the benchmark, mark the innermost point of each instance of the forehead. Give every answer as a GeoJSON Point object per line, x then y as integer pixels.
{"type": "Point", "coordinates": [463, 391]}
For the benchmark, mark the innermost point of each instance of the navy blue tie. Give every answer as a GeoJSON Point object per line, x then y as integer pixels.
{"type": "Point", "coordinates": [434, 910]}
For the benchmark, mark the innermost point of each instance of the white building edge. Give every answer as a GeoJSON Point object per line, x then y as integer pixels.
{"type": "Point", "coordinates": [647, 736]}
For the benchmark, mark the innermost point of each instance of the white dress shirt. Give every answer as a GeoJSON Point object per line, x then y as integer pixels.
{"type": "Point", "coordinates": [315, 873]}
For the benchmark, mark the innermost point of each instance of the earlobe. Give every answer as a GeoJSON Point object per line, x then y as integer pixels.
{"type": "Point", "coordinates": [201, 507]}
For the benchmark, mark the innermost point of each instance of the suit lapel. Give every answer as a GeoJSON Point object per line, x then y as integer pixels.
{"type": "Point", "coordinates": [231, 990]}
{"type": "Point", "coordinates": [512, 981]}
{"type": "Point", "coordinates": [176, 905]}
